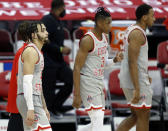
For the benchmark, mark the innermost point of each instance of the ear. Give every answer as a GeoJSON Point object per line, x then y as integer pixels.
{"type": "Point", "coordinates": [34, 35]}
{"type": "Point", "coordinates": [144, 17]}
{"type": "Point", "coordinates": [99, 22]}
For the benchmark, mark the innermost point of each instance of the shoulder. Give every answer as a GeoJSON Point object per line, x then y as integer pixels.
{"type": "Point", "coordinates": [137, 34]}
{"type": "Point", "coordinates": [30, 51]}
{"type": "Point", "coordinates": [47, 19]}
{"type": "Point", "coordinates": [87, 38]}
{"type": "Point", "coordinates": [30, 54]}
{"type": "Point", "coordinates": [86, 42]}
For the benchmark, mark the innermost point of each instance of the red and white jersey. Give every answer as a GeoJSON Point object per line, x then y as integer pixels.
{"type": "Point", "coordinates": [125, 79]}
{"type": "Point", "coordinates": [37, 75]}
{"type": "Point", "coordinates": [95, 61]}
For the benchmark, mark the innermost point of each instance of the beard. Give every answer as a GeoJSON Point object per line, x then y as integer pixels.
{"type": "Point", "coordinates": [44, 40]}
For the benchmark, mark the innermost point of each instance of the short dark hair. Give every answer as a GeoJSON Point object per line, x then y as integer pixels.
{"type": "Point", "coordinates": [142, 10]}
{"type": "Point", "coordinates": [101, 13]}
{"type": "Point", "coordinates": [33, 28]}
{"type": "Point", "coordinates": [57, 3]}
{"type": "Point", "coordinates": [22, 30]}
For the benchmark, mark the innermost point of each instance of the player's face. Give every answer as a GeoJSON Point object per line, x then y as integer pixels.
{"type": "Point", "coordinates": [106, 26]}
{"type": "Point", "coordinates": [150, 18]}
{"type": "Point", "coordinates": [42, 33]}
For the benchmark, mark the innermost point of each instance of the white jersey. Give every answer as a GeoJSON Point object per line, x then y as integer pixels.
{"type": "Point", "coordinates": [37, 75]}
{"type": "Point", "coordinates": [95, 61]}
{"type": "Point", "coordinates": [125, 79]}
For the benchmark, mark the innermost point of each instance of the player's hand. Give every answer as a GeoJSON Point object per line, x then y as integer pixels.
{"type": "Point", "coordinates": [136, 97]}
{"type": "Point", "coordinates": [47, 113]}
{"type": "Point", "coordinates": [66, 50]}
{"type": "Point", "coordinates": [30, 117]}
{"type": "Point", "coordinates": [119, 57]}
{"type": "Point", "coordinates": [77, 101]}
{"type": "Point", "coordinates": [150, 80]}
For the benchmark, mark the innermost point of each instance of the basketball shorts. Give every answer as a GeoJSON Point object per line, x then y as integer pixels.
{"type": "Point", "coordinates": [145, 101]}
{"type": "Point", "coordinates": [91, 91]}
{"type": "Point", "coordinates": [41, 120]}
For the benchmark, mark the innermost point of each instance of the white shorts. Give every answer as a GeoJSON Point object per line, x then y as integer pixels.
{"type": "Point", "coordinates": [41, 120]}
{"type": "Point", "coordinates": [145, 97]}
{"type": "Point", "coordinates": [91, 91]}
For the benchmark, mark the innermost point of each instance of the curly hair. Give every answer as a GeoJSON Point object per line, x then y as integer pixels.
{"type": "Point", "coordinates": [101, 13]}
{"type": "Point", "coordinates": [22, 30]}
{"type": "Point", "coordinates": [33, 28]}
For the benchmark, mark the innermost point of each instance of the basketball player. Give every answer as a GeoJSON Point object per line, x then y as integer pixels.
{"type": "Point", "coordinates": [15, 121]}
{"type": "Point", "coordinates": [30, 99]}
{"type": "Point", "coordinates": [134, 77]}
{"type": "Point", "coordinates": [89, 67]}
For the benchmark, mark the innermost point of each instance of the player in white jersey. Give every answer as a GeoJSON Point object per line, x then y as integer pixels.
{"type": "Point", "coordinates": [30, 99]}
{"type": "Point", "coordinates": [134, 77]}
{"type": "Point", "coordinates": [89, 67]}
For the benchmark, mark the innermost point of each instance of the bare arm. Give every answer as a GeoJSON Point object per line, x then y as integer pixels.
{"type": "Point", "coordinates": [136, 39]}
{"type": "Point", "coordinates": [30, 57]}
{"type": "Point", "coordinates": [85, 46]}
{"type": "Point", "coordinates": [43, 100]}
{"type": "Point", "coordinates": [44, 105]}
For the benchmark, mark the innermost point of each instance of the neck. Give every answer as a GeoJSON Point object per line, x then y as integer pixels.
{"type": "Point", "coordinates": [97, 32]}
{"type": "Point", "coordinates": [141, 24]}
{"type": "Point", "coordinates": [38, 44]}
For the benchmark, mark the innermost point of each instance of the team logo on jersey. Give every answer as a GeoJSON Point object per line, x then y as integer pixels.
{"type": "Point", "coordinates": [89, 98]}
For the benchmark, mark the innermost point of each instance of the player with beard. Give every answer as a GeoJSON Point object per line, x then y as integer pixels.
{"type": "Point", "coordinates": [30, 100]}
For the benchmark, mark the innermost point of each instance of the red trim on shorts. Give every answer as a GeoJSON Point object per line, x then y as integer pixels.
{"type": "Point", "coordinates": [142, 33]}
{"type": "Point", "coordinates": [94, 108]}
{"type": "Point", "coordinates": [142, 107]}
{"type": "Point", "coordinates": [42, 128]}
